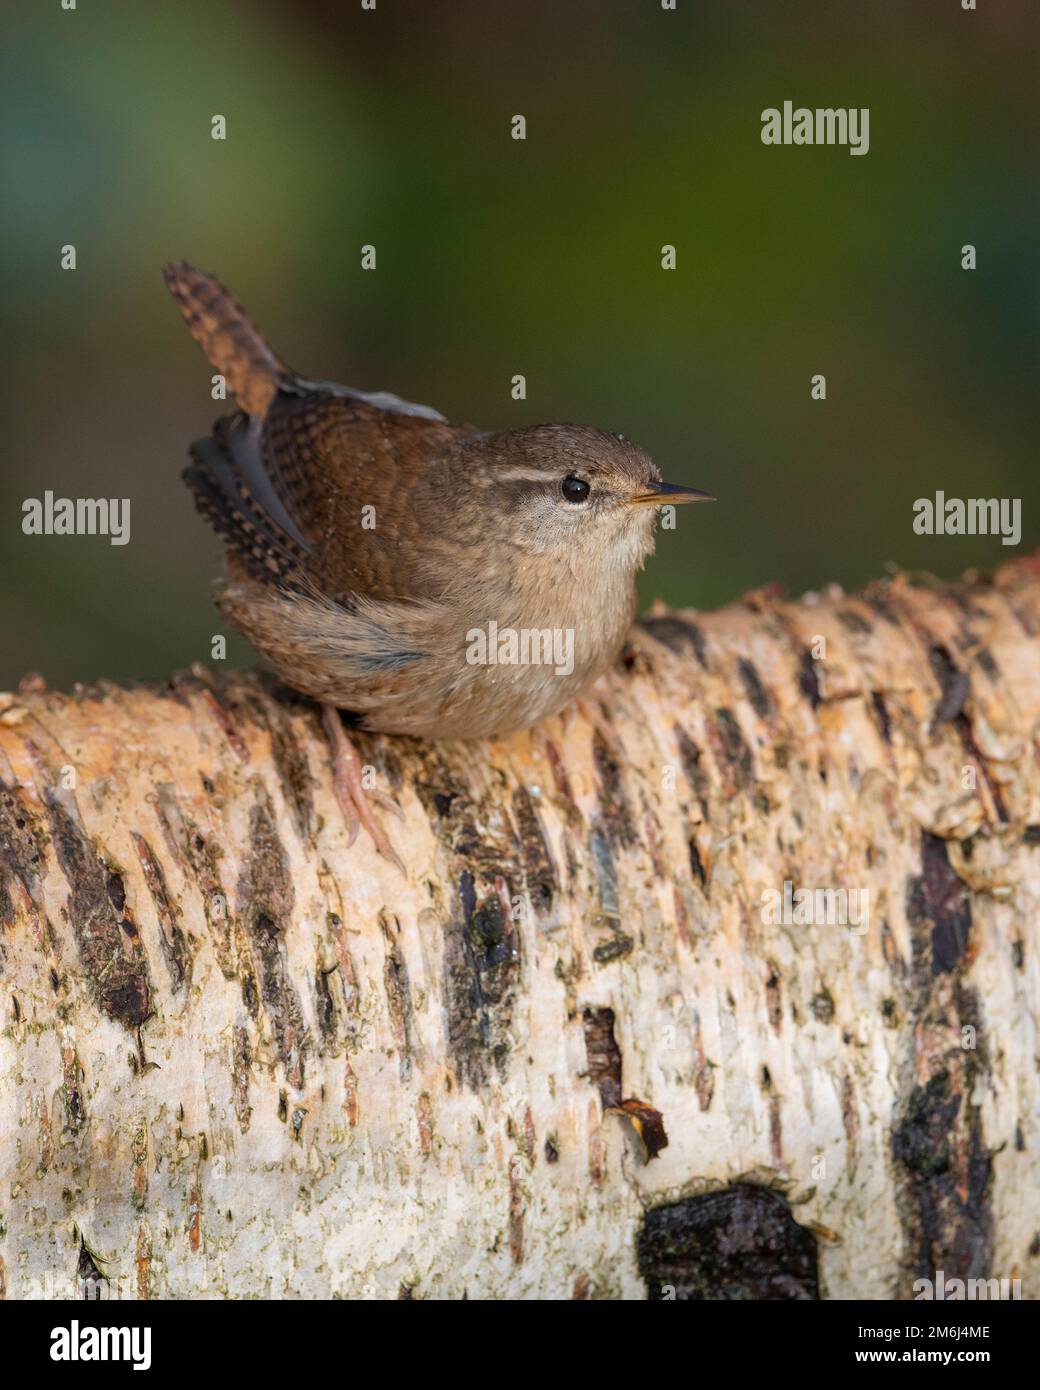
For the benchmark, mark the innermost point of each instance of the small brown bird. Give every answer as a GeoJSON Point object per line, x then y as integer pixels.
{"type": "Point", "coordinates": [432, 579]}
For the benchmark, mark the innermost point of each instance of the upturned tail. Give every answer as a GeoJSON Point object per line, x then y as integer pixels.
{"type": "Point", "coordinates": [223, 330]}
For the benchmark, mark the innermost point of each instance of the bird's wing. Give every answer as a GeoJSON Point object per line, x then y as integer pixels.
{"type": "Point", "coordinates": [319, 494]}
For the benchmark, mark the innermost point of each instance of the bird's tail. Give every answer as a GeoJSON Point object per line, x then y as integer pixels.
{"type": "Point", "coordinates": [227, 337]}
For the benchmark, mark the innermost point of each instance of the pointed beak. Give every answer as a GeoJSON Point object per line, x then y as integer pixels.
{"type": "Point", "coordinates": [669, 494]}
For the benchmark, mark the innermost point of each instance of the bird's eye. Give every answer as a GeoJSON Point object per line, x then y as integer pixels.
{"type": "Point", "coordinates": [574, 489]}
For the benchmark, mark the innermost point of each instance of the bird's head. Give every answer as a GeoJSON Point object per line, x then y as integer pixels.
{"type": "Point", "coordinates": [581, 494]}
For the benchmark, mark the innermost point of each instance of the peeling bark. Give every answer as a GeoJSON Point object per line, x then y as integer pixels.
{"type": "Point", "coordinates": [571, 1056]}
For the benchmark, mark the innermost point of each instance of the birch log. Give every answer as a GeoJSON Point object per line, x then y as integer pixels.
{"type": "Point", "coordinates": [240, 1057]}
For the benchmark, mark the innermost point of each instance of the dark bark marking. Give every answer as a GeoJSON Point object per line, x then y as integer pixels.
{"type": "Point", "coordinates": [882, 719]}
{"type": "Point", "coordinates": [603, 1055]}
{"type": "Point", "coordinates": [90, 1275]}
{"type": "Point", "coordinates": [616, 809]}
{"type": "Point", "coordinates": [175, 946]}
{"type": "Point", "coordinates": [22, 844]}
{"type": "Point", "coordinates": [72, 1090]}
{"type": "Point", "coordinates": [757, 694]}
{"type": "Point", "coordinates": [326, 1005]}
{"type": "Point", "coordinates": [516, 1214]}
{"type": "Point", "coordinates": [854, 622]}
{"type": "Point", "coordinates": [774, 999]}
{"type": "Point", "coordinates": [939, 902]}
{"type": "Point", "coordinates": [949, 1231]}
{"type": "Point", "coordinates": [937, 1138]}
{"type": "Point", "coordinates": [200, 857]}
{"type": "Point", "coordinates": [809, 679]}
{"type": "Point", "coordinates": [241, 1063]}
{"type": "Point", "coordinates": [679, 635]}
{"type": "Point", "coordinates": [618, 946]}
{"type": "Point", "coordinates": [539, 869]}
{"type": "Point", "coordinates": [482, 972]}
{"type": "Point", "coordinates": [696, 865]}
{"type": "Point", "coordinates": [265, 902]}
{"type": "Point", "coordinates": [822, 1005]}
{"type": "Point", "coordinates": [732, 755]}
{"type": "Point", "coordinates": [987, 664]}
{"type": "Point", "coordinates": [704, 1070]}
{"type": "Point", "coordinates": [481, 938]}
{"type": "Point", "coordinates": [954, 686]}
{"type": "Point", "coordinates": [693, 769]}
{"type": "Point", "coordinates": [738, 1244]}
{"type": "Point", "coordinates": [109, 944]}
{"type": "Point", "coordinates": [6, 915]}
{"type": "Point", "coordinates": [606, 873]}
{"type": "Point", "coordinates": [849, 1118]}
{"type": "Point", "coordinates": [398, 998]}
{"type": "Point", "coordinates": [875, 595]}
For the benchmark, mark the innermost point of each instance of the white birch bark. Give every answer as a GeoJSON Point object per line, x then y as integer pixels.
{"type": "Point", "coordinates": [239, 1057]}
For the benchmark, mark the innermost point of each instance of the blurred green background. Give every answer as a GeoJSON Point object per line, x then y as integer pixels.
{"type": "Point", "coordinates": [495, 257]}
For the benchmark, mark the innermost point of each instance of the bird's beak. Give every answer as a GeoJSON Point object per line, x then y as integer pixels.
{"type": "Point", "coordinates": [669, 494]}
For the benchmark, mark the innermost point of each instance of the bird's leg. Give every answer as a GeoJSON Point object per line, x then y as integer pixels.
{"type": "Point", "coordinates": [350, 791]}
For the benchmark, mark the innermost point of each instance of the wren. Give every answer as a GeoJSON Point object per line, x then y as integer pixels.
{"type": "Point", "coordinates": [370, 543]}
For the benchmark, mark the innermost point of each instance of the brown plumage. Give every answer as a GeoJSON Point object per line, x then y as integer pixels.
{"type": "Point", "coordinates": [370, 542]}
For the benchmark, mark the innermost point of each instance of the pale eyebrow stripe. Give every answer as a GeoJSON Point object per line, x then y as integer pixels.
{"type": "Point", "coordinates": [524, 475]}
